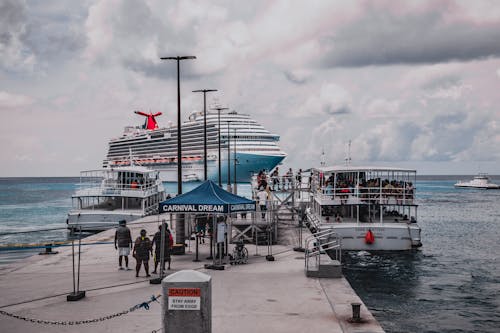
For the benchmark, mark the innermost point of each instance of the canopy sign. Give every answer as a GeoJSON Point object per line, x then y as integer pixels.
{"type": "Point", "coordinates": [207, 198]}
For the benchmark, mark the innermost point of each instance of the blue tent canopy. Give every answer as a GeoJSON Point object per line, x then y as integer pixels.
{"type": "Point", "coordinates": [207, 198]}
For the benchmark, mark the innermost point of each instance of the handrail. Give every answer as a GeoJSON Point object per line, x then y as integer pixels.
{"type": "Point", "coordinates": [379, 195]}
{"type": "Point", "coordinates": [319, 243]}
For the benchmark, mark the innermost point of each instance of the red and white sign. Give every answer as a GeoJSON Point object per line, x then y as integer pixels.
{"type": "Point", "coordinates": [184, 298]}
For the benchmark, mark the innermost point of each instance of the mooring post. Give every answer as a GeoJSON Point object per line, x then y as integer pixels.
{"type": "Point", "coordinates": [356, 312]}
{"type": "Point", "coordinates": [187, 302]}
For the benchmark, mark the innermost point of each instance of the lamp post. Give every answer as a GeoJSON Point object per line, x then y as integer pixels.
{"type": "Point", "coordinates": [204, 91]}
{"type": "Point", "coordinates": [228, 157]}
{"type": "Point", "coordinates": [235, 187]}
{"type": "Point", "coordinates": [180, 236]}
{"type": "Point", "coordinates": [179, 148]}
{"type": "Point", "coordinates": [219, 157]}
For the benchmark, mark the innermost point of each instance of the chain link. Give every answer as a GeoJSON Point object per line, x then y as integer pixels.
{"type": "Point", "coordinates": [144, 305]}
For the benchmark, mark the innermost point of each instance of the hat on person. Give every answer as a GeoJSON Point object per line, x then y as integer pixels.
{"type": "Point", "coordinates": [122, 222]}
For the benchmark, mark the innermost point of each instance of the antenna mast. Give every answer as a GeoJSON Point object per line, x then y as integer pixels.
{"type": "Point", "coordinates": [348, 157]}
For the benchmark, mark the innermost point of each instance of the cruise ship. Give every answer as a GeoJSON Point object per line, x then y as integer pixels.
{"type": "Point", "coordinates": [254, 147]}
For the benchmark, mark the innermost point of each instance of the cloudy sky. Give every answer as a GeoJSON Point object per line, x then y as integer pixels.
{"type": "Point", "coordinates": [410, 83]}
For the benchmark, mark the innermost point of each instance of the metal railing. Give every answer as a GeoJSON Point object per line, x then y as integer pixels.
{"type": "Point", "coordinates": [322, 242]}
{"type": "Point", "coordinates": [373, 195]}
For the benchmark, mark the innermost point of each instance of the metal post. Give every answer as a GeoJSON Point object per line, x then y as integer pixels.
{"type": "Point", "coordinates": [77, 294]}
{"type": "Point", "coordinates": [79, 256]}
{"type": "Point", "coordinates": [204, 91]}
{"type": "Point", "coordinates": [220, 156]}
{"type": "Point", "coordinates": [228, 159]}
{"type": "Point", "coordinates": [73, 256]}
{"type": "Point", "coordinates": [180, 237]}
{"type": "Point", "coordinates": [235, 191]}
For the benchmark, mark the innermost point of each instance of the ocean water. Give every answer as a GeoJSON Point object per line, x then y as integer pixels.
{"type": "Point", "coordinates": [32, 204]}
{"type": "Point", "coordinates": [451, 285]}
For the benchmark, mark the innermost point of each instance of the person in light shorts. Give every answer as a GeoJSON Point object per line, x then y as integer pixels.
{"type": "Point", "coordinates": [123, 243]}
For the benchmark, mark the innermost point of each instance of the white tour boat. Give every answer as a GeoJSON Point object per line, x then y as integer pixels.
{"type": "Point", "coordinates": [369, 208]}
{"type": "Point", "coordinates": [481, 181]}
{"type": "Point", "coordinates": [109, 195]}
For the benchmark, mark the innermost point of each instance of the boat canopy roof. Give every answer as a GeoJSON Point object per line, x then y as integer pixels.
{"type": "Point", "coordinates": [350, 168]}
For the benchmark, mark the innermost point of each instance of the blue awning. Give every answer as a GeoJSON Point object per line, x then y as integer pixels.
{"type": "Point", "coordinates": [207, 198]}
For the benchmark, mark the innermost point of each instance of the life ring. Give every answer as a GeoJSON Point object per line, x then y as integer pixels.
{"type": "Point", "coordinates": [369, 237]}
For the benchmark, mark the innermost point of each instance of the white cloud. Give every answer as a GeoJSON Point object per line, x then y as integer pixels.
{"type": "Point", "coordinates": [332, 100]}
{"type": "Point", "coordinates": [9, 100]}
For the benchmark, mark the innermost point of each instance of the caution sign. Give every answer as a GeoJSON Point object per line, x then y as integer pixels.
{"type": "Point", "coordinates": [184, 298]}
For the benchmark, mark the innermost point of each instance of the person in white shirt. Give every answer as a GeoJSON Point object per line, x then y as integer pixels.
{"type": "Point", "coordinates": [262, 197]}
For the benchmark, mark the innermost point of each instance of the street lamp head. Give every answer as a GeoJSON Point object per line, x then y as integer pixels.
{"type": "Point", "coordinates": [178, 58]}
{"type": "Point", "coordinates": [205, 90]}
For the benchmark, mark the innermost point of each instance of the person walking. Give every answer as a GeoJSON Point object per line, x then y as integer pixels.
{"type": "Point", "coordinates": [262, 197]}
{"type": "Point", "coordinates": [123, 243]}
{"type": "Point", "coordinates": [169, 241]}
{"type": "Point", "coordinates": [142, 249]}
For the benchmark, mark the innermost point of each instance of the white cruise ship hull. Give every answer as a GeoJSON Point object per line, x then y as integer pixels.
{"type": "Point", "coordinates": [156, 147]}
{"type": "Point", "coordinates": [246, 165]}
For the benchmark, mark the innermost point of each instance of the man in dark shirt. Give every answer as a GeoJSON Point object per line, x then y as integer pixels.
{"type": "Point", "coordinates": [166, 249]}
{"type": "Point", "coordinates": [142, 249]}
{"type": "Point", "coordinates": [123, 243]}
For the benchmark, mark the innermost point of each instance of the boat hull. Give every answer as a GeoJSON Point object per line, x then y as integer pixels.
{"type": "Point", "coordinates": [246, 165]}
{"type": "Point", "coordinates": [99, 220]}
{"type": "Point", "coordinates": [387, 236]}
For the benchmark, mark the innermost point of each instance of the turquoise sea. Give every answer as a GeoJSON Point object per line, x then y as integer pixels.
{"type": "Point", "coordinates": [451, 285]}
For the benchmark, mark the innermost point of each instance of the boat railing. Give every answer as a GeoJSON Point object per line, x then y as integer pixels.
{"type": "Point", "coordinates": [115, 188]}
{"type": "Point", "coordinates": [320, 243]}
{"type": "Point", "coordinates": [367, 195]}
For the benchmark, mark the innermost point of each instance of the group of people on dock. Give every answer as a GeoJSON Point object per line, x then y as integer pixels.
{"type": "Point", "coordinates": [277, 182]}
{"type": "Point", "coordinates": [142, 248]}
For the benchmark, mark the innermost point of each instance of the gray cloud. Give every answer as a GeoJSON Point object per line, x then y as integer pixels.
{"type": "Point", "coordinates": [12, 18]}
{"type": "Point", "coordinates": [294, 78]}
{"type": "Point", "coordinates": [383, 39]}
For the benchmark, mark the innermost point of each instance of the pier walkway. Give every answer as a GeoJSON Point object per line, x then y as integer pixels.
{"type": "Point", "coordinates": [261, 296]}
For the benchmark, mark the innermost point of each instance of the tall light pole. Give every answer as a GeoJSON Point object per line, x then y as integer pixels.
{"type": "Point", "coordinates": [180, 234]}
{"type": "Point", "coordinates": [235, 186]}
{"type": "Point", "coordinates": [179, 141]}
{"type": "Point", "coordinates": [219, 158]}
{"type": "Point", "coordinates": [228, 157]}
{"type": "Point", "coordinates": [204, 91]}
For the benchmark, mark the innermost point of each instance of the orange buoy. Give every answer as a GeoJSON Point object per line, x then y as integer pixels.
{"type": "Point", "coordinates": [369, 237]}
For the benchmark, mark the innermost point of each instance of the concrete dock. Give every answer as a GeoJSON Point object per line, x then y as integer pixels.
{"type": "Point", "coordinates": [259, 296]}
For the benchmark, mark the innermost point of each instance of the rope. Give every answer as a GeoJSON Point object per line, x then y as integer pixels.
{"type": "Point", "coordinates": [144, 305]}
{"type": "Point", "coordinates": [20, 246]}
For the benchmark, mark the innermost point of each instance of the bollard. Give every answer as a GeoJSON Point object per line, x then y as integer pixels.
{"type": "Point", "coordinates": [356, 312]}
{"type": "Point", "coordinates": [187, 302]}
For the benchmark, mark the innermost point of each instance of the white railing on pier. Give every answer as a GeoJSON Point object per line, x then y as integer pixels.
{"type": "Point", "coordinates": [322, 242]}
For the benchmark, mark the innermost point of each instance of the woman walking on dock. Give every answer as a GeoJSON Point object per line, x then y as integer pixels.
{"type": "Point", "coordinates": [142, 249]}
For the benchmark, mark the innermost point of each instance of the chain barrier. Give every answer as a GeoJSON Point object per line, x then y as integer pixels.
{"type": "Point", "coordinates": [144, 305]}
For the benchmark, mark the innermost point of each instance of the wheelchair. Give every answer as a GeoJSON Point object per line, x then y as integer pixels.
{"type": "Point", "coordinates": [239, 255]}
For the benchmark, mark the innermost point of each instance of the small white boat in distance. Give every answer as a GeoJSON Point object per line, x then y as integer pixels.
{"type": "Point", "coordinates": [106, 196]}
{"type": "Point", "coordinates": [369, 208]}
{"type": "Point", "coordinates": [481, 181]}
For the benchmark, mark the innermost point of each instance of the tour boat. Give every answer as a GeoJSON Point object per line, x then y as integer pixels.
{"type": "Point", "coordinates": [481, 181]}
{"type": "Point", "coordinates": [369, 208]}
{"type": "Point", "coordinates": [106, 196]}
